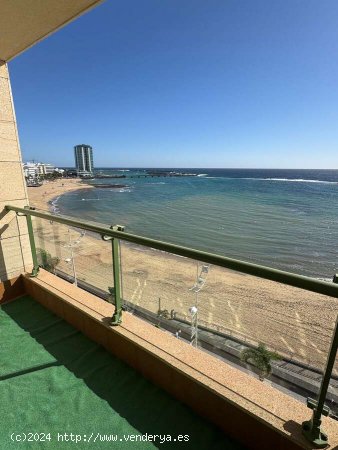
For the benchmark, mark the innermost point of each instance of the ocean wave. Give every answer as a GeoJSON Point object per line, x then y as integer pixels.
{"type": "Point", "coordinates": [291, 180]}
{"type": "Point", "coordinates": [122, 170]}
{"type": "Point", "coordinates": [202, 175]}
{"type": "Point", "coordinates": [53, 206]}
{"type": "Point", "coordinates": [54, 202]}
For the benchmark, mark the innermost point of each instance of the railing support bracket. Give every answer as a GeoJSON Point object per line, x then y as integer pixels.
{"type": "Point", "coordinates": [313, 433]}
{"type": "Point", "coordinates": [117, 316]}
{"type": "Point", "coordinates": [312, 428]}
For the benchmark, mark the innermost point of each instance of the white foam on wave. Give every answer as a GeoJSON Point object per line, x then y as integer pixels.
{"type": "Point", "coordinates": [292, 180]}
{"type": "Point", "coordinates": [54, 202]}
{"type": "Point", "coordinates": [202, 175]}
{"type": "Point", "coordinates": [54, 208]}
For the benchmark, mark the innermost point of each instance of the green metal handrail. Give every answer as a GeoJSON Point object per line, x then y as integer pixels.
{"type": "Point", "coordinates": [311, 429]}
{"type": "Point", "coordinates": [291, 279]}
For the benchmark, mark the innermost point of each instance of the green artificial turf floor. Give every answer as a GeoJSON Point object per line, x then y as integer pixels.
{"type": "Point", "coordinates": [56, 384]}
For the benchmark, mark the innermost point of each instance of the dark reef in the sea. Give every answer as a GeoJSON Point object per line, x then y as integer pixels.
{"type": "Point", "coordinates": [166, 173]}
{"type": "Point", "coordinates": [149, 174]}
{"type": "Point", "coordinates": [111, 186]}
{"type": "Point", "coordinates": [109, 176]}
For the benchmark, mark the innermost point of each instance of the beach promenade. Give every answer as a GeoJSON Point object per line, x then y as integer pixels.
{"type": "Point", "coordinates": [296, 323]}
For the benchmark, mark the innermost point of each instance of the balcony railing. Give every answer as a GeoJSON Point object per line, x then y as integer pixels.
{"type": "Point", "coordinates": [230, 307]}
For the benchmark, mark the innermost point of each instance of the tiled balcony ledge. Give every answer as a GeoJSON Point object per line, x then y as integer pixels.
{"type": "Point", "coordinates": [249, 410]}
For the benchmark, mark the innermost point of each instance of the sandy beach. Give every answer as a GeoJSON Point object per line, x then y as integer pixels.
{"type": "Point", "coordinates": [296, 323]}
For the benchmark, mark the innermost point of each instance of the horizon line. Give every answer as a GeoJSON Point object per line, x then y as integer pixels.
{"type": "Point", "coordinates": [201, 168]}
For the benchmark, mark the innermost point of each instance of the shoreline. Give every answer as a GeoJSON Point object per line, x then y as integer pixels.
{"type": "Point", "coordinates": [42, 197]}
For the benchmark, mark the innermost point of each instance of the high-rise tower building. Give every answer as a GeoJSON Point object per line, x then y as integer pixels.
{"type": "Point", "coordinates": [83, 159]}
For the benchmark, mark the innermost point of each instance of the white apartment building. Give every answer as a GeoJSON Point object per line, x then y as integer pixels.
{"type": "Point", "coordinates": [30, 170]}
{"type": "Point", "coordinates": [35, 170]}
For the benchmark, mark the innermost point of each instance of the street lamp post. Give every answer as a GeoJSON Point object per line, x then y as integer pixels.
{"type": "Point", "coordinates": [71, 246]}
{"type": "Point", "coordinates": [194, 325]}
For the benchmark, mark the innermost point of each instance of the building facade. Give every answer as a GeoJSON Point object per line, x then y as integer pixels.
{"type": "Point", "coordinates": [83, 159]}
{"type": "Point", "coordinates": [30, 170]}
{"type": "Point", "coordinates": [37, 170]}
{"type": "Point", "coordinates": [45, 169]}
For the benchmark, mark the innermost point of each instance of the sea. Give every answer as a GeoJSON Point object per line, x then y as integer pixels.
{"type": "Point", "coordinates": [285, 219]}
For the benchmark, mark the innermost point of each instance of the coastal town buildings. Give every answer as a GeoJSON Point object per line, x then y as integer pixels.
{"type": "Point", "coordinates": [84, 160]}
{"type": "Point", "coordinates": [39, 170]}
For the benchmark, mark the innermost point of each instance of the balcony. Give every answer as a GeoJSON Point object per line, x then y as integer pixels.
{"type": "Point", "coordinates": [182, 319]}
{"type": "Point", "coordinates": [62, 383]}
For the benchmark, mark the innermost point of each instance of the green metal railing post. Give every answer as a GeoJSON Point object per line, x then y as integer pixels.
{"type": "Point", "coordinates": [116, 291]}
{"type": "Point", "coordinates": [312, 428]}
{"type": "Point", "coordinates": [35, 270]}
{"type": "Point", "coordinates": [117, 316]}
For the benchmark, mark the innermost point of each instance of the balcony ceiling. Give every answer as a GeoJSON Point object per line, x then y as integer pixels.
{"type": "Point", "coordinates": [25, 22]}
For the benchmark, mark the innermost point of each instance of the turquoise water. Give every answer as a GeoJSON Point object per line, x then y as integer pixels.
{"type": "Point", "coordinates": [283, 219]}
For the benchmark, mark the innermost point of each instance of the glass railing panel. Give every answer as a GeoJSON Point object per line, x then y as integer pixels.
{"type": "Point", "coordinates": [160, 287]}
{"type": "Point", "coordinates": [80, 257]}
{"type": "Point", "coordinates": [253, 319]}
{"type": "Point", "coordinates": [53, 252]}
{"type": "Point", "coordinates": [94, 261]}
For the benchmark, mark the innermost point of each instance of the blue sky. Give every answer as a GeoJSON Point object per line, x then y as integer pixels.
{"type": "Point", "coordinates": [185, 83]}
